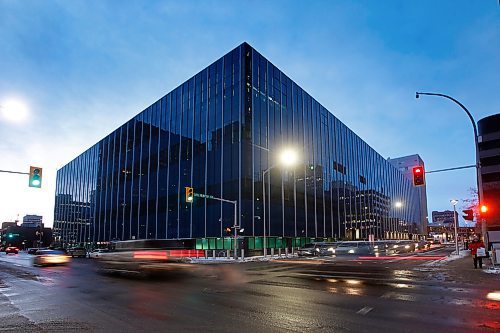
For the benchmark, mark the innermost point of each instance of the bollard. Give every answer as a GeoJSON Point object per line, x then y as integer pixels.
{"type": "Point", "coordinates": [272, 252]}
{"type": "Point", "coordinates": [242, 254]}
{"type": "Point", "coordinates": [228, 252]}
{"type": "Point", "coordinates": [286, 252]}
{"type": "Point", "coordinates": [213, 254]}
{"type": "Point", "coordinates": [279, 252]}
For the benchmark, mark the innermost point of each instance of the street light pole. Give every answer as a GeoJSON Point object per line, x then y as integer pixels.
{"type": "Point", "coordinates": [288, 158]}
{"type": "Point", "coordinates": [478, 162]}
{"type": "Point", "coordinates": [454, 203]}
{"type": "Point", "coordinates": [264, 204]}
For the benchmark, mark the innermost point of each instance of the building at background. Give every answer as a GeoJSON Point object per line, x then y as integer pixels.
{"type": "Point", "coordinates": [405, 165]}
{"type": "Point", "coordinates": [12, 234]}
{"type": "Point", "coordinates": [218, 133]}
{"type": "Point", "coordinates": [444, 218]}
{"type": "Point", "coordinates": [32, 221]}
{"type": "Point", "coordinates": [489, 155]}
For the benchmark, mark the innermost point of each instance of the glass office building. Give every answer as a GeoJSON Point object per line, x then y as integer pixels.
{"type": "Point", "coordinates": [218, 132]}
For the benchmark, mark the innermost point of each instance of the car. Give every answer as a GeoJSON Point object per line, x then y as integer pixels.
{"type": "Point", "coordinates": [146, 257]}
{"type": "Point", "coordinates": [403, 246]}
{"type": "Point", "coordinates": [97, 253]}
{"type": "Point", "coordinates": [77, 252]}
{"type": "Point", "coordinates": [11, 250]}
{"type": "Point", "coordinates": [34, 249]}
{"type": "Point", "coordinates": [308, 250]}
{"type": "Point", "coordinates": [50, 257]}
{"type": "Point", "coordinates": [354, 247]}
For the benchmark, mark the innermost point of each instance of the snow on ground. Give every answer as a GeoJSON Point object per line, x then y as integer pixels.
{"type": "Point", "coordinates": [492, 270]}
{"type": "Point", "coordinates": [453, 256]}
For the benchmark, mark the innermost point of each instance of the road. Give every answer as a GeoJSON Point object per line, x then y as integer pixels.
{"type": "Point", "coordinates": [300, 295]}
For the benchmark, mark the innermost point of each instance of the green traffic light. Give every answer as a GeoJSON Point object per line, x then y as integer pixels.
{"type": "Point", "coordinates": [35, 179]}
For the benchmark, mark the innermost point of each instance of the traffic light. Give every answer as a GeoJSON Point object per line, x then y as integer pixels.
{"type": "Point", "coordinates": [10, 235]}
{"type": "Point", "coordinates": [35, 179]}
{"type": "Point", "coordinates": [469, 214]}
{"type": "Point", "coordinates": [418, 176]}
{"type": "Point", "coordinates": [484, 210]}
{"type": "Point", "coordinates": [189, 194]}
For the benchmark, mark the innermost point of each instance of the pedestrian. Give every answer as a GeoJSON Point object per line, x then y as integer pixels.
{"type": "Point", "coordinates": [473, 246]}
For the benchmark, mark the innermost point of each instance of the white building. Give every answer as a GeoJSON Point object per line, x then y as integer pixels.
{"type": "Point", "coordinates": [406, 164]}
{"type": "Point", "coordinates": [32, 221]}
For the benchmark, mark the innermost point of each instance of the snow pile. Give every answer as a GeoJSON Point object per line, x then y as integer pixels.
{"type": "Point", "coordinates": [492, 270]}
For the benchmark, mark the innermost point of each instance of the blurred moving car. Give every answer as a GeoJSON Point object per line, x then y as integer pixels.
{"type": "Point", "coordinates": [50, 257]}
{"type": "Point", "coordinates": [400, 246]}
{"type": "Point", "coordinates": [146, 257]}
{"type": "Point", "coordinates": [308, 250]}
{"type": "Point", "coordinates": [317, 249]}
{"type": "Point", "coordinates": [422, 244]}
{"type": "Point", "coordinates": [11, 250]}
{"type": "Point", "coordinates": [354, 247]}
{"type": "Point", "coordinates": [77, 252]}
{"type": "Point", "coordinates": [34, 249]}
{"type": "Point", "coordinates": [97, 253]}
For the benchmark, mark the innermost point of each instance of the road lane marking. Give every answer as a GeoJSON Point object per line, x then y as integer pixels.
{"type": "Point", "coordinates": [364, 310]}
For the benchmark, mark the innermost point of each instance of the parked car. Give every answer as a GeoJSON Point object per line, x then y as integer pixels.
{"type": "Point", "coordinates": [11, 250]}
{"type": "Point", "coordinates": [97, 253]}
{"type": "Point", "coordinates": [50, 257]}
{"type": "Point", "coordinates": [77, 252]}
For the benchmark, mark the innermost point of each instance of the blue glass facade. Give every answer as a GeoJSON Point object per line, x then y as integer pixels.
{"type": "Point", "coordinates": [218, 132]}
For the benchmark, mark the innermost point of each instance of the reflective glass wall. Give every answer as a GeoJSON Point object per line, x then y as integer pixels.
{"type": "Point", "coordinates": [219, 132]}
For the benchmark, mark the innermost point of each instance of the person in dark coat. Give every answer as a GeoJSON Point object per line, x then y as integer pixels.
{"type": "Point", "coordinates": [473, 246]}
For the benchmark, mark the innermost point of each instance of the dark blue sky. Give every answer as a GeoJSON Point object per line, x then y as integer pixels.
{"type": "Point", "coordinates": [83, 68]}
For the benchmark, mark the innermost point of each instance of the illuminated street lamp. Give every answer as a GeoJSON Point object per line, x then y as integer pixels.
{"type": "Point", "coordinates": [454, 203]}
{"type": "Point", "coordinates": [287, 158]}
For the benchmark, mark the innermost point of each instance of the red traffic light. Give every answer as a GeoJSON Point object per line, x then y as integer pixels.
{"type": "Point", "coordinates": [418, 176]}
{"type": "Point", "coordinates": [483, 209]}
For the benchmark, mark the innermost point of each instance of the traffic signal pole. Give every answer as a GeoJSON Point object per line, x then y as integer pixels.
{"type": "Point", "coordinates": [35, 176]}
{"type": "Point", "coordinates": [19, 173]}
{"type": "Point", "coordinates": [236, 226]}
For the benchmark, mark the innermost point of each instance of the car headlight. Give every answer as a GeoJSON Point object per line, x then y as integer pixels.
{"type": "Point", "coordinates": [331, 249]}
{"type": "Point", "coordinates": [317, 249]}
{"type": "Point", "coordinates": [407, 246]}
{"type": "Point", "coordinates": [351, 251]}
{"type": "Point", "coordinates": [394, 246]}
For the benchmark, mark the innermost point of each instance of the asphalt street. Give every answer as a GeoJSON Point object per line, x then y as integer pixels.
{"type": "Point", "coordinates": [348, 294]}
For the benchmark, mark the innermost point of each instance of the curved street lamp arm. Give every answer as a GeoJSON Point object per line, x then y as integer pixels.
{"type": "Point", "coordinates": [460, 104]}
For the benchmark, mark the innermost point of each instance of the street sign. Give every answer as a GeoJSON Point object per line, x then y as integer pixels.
{"type": "Point", "coordinates": [201, 195]}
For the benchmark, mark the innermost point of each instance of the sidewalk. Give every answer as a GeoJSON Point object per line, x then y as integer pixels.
{"type": "Point", "coordinates": [461, 269]}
